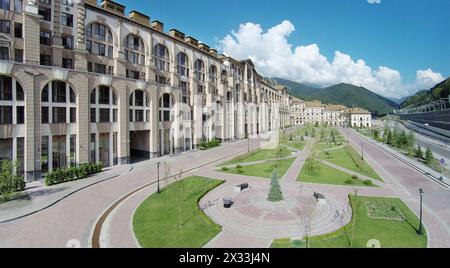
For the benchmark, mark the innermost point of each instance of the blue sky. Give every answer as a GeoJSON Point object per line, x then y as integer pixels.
{"type": "Point", "coordinates": [404, 35]}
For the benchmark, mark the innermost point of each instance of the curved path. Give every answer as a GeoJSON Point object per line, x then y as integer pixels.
{"type": "Point", "coordinates": [73, 218]}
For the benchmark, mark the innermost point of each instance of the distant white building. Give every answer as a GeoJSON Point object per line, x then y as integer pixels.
{"type": "Point", "coordinates": [357, 117]}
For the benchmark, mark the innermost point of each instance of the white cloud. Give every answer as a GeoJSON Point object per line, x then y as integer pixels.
{"type": "Point", "coordinates": [274, 56]}
{"type": "Point", "coordinates": [374, 1]}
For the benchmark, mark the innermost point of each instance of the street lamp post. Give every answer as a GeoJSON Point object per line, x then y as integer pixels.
{"type": "Point", "coordinates": [420, 220]}
{"type": "Point", "coordinates": [157, 166]}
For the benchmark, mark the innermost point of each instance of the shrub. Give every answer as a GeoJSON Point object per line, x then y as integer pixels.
{"type": "Point", "coordinates": [205, 145]}
{"type": "Point", "coordinates": [225, 169]}
{"type": "Point", "coordinates": [238, 166]}
{"type": "Point", "coordinates": [240, 171]}
{"type": "Point", "coordinates": [349, 181]}
{"type": "Point", "coordinates": [368, 182]}
{"type": "Point", "coordinates": [71, 174]}
{"type": "Point", "coordinates": [10, 182]}
{"type": "Point", "coordinates": [354, 177]}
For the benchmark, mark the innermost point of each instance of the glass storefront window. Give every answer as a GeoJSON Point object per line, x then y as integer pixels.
{"type": "Point", "coordinates": [44, 154]}
{"type": "Point", "coordinates": [104, 149]}
{"type": "Point", "coordinates": [73, 150]}
{"type": "Point", "coordinates": [59, 152]}
{"type": "Point", "coordinates": [6, 149]}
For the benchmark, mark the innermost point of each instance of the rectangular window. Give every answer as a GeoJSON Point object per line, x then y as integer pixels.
{"type": "Point", "coordinates": [67, 19]}
{"type": "Point", "coordinates": [73, 115]}
{"type": "Point", "coordinates": [73, 150]}
{"type": "Point", "coordinates": [4, 53]}
{"type": "Point", "coordinates": [59, 156]}
{"type": "Point", "coordinates": [45, 60]}
{"type": "Point", "coordinates": [147, 116]}
{"type": "Point", "coordinates": [6, 115]}
{"type": "Point", "coordinates": [139, 116]}
{"type": "Point", "coordinates": [44, 38]}
{"type": "Point", "coordinates": [115, 111]}
{"type": "Point", "coordinates": [20, 155]}
{"type": "Point", "coordinates": [89, 46]}
{"type": "Point", "coordinates": [45, 13]}
{"type": "Point", "coordinates": [100, 68]}
{"type": "Point", "coordinates": [18, 5]}
{"type": "Point", "coordinates": [20, 115]}
{"type": "Point", "coordinates": [59, 115]}
{"type": "Point", "coordinates": [44, 154]}
{"type": "Point", "coordinates": [92, 149]}
{"type": "Point", "coordinates": [18, 55]}
{"type": "Point", "coordinates": [4, 4]}
{"type": "Point", "coordinates": [44, 115]}
{"type": "Point", "coordinates": [68, 3]}
{"type": "Point", "coordinates": [67, 63]}
{"type": "Point", "coordinates": [104, 116]}
{"type": "Point", "coordinates": [5, 26]}
{"type": "Point", "coordinates": [59, 92]}
{"type": "Point", "coordinates": [130, 114]}
{"type": "Point", "coordinates": [103, 95]}
{"type": "Point", "coordinates": [18, 30]}
{"type": "Point", "coordinates": [67, 42]}
{"type": "Point", "coordinates": [93, 115]}
{"type": "Point", "coordinates": [6, 88]}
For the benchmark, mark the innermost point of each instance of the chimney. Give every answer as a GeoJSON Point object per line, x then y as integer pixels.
{"type": "Point", "coordinates": [177, 34]}
{"type": "Point", "coordinates": [157, 25]}
{"type": "Point", "coordinates": [191, 41]}
{"type": "Point", "coordinates": [113, 7]}
{"type": "Point", "coordinates": [140, 18]}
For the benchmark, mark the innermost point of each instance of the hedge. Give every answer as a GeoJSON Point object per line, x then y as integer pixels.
{"type": "Point", "coordinates": [204, 145]}
{"type": "Point", "coordinates": [10, 182]}
{"type": "Point", "coordinates": [71, 174]}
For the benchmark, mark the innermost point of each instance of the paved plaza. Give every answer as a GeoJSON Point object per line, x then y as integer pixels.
{"type": "Point", "coordinates": [69, 212]}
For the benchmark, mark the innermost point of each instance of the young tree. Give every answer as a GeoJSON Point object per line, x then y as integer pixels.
{"type": "Point", "coordinates": [389, 138]}
{"type": "Point", "coordinates": [429, 156]}
{"type": "Point", "coordinates": [376, 134]}
{"type": "Point", "coordinates": [419, 153]}
{"type": "Point", "coordinates": [275, 194]}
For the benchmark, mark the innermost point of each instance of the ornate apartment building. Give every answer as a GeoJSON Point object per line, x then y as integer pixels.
{"type": "Point", "coordinates": [80, 82]}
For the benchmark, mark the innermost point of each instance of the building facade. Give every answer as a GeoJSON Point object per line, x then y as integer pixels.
{"type": "Point", "coordinates": [82, 82]}
{"type": "Point", "coordinates": [315, 112]}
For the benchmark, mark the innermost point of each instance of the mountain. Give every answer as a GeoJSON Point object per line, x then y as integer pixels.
{"type": "Point", "coordinates": [398, 101]}
{"type": "Point", "coordinates": [441, 90]}
{"type": "Point", "coordinates": [343, 94]}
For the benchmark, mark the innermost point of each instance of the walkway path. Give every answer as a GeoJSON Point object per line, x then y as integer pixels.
{"type": "Point", "coordinates": [292, 173]}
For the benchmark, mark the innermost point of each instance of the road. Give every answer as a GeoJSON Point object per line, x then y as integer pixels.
{"type": "Point", "coordinates": [438, 150]}
{"type": "Point", "coordinates": [406, 182]}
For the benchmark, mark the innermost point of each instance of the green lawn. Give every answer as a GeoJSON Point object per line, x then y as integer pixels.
{"type": "Point", "coordinates": [263, 170]}
{"type": "Point", "coordinates": [391, 233]}
{"type": "Point", "coordinates": [350, 159]}
{"type": "Point", "coordinates": [299, 145]}
{"type": "Point", "coordinates": [258, 155]}
{"type": "Point", "coordinates": [173, 218]}
{"type": "Point", "coordinates": [320, 146]}
{"type": "Point", "coordinates": [324, 174]}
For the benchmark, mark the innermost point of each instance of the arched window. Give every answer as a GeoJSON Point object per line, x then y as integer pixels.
{"type": "Point", "coordinates": [99, 40]}
{"type": "Point", "coordinates": [58, 103]}
{"type": "Point", "coordinates": [199, 67]}
{"type": "Point", "coordinates": [139, 106]}
{"type": "Point", "coordinates": [224, 77]}
{"type": "Point", "coordinates": [166, 103]}
{"type": "Point", "coordinates": [161, 57]}
{"type": "Point", "coordinates": [182, 64]}
{"type": "Point", "coordinates": [12, 107]}
{"type": "Point", "coordinates": [104, 107]}
{"type": "Point", "coordinates": [213, 73]}
{"type": "Point", "coordinates": [134, 49]}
